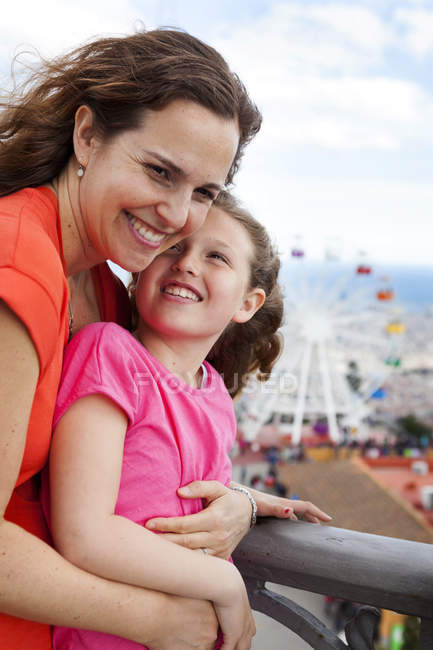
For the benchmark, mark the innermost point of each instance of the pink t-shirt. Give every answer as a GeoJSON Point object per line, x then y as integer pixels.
{"type": "Point", "coordinates": [176, 434]}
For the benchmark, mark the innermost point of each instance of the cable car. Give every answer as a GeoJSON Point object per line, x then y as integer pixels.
{"type": "Point", "coordinates": [385, 294]}
{"type": "Point", "coordinates": [297, 252]}
{"type": "Point", "coordinates": [396, 327]}
{"type": "Point", "coordinates": [363, 269]}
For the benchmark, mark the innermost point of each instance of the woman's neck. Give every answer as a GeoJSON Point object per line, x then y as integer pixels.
{"type": "Point", "coordinates": [78, 253]}
{"type": "Point", "coordinates": [182, 357]}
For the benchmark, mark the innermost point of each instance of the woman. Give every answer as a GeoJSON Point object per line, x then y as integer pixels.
{"type": "Point", "coordinates": [115, 151]}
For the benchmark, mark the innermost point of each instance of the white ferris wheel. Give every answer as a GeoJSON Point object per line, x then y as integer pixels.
{"type": "Point", "coordinates": [342, 337]}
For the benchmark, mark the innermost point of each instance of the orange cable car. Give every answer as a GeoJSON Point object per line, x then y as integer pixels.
{"type": "Point", "coordinates": [385, 294]}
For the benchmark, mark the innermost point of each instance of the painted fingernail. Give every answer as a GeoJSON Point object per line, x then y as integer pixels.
{"type": "Point", "coordinates": [287, 510]}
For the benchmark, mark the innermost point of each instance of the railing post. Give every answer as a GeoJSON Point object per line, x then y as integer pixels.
{"type": "Point", "coordinates": [294, 617]}
{"type": "Point", "coordinates": [426, 634]}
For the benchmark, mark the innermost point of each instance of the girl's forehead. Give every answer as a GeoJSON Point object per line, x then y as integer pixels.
{"type": "Point", "coordinates": [223, 228]}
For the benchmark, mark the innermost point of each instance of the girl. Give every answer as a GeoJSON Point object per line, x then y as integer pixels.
{"type": "Point", "coordinates": [139, 416]}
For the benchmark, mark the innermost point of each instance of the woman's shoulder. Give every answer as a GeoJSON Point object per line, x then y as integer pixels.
{"type": "Point", "coordinates": [33, 202]}
{"type": "Point", "coordinates": [29, 228]}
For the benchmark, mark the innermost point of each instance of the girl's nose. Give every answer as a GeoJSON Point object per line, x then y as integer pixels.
{"type": "Point", "coordinates": [186, 263]}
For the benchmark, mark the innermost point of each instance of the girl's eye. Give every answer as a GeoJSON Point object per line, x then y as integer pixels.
{"type": "Point", "coordinates": [218, 256]}
{"type": "Point", "coordinates": [176, 248]}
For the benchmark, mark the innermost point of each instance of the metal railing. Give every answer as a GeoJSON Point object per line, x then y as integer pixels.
{"type": "Point", "coordinates": [379, 572]}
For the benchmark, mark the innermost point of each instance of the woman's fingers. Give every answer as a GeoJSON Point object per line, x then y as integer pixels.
{"type": "Point", "coordinates": [310, 512]}
{"type": "Point", "coordinates": [208, 490]}
{"type": "Point", "coordinates": [197, 523]}
{"type": "Point", "coordinates": [193, 541]}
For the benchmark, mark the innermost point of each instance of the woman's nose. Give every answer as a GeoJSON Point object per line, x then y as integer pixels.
{"type": "Point", "coordinates": [174, 209]}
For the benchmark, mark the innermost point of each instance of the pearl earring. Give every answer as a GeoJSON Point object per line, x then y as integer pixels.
{"type": "Point", "coordinates": [80, 171]}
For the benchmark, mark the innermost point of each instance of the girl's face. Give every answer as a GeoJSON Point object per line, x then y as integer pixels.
{"type": "Point", "coordinates": [195, 288]}
{"type": "Point", "coordinates": [147, 188]}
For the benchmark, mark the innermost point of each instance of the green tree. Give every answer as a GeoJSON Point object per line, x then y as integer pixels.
{"type": "Point", "coordinates": [411, 633]}
{"type": "Point", "coordinates": [414, 427]}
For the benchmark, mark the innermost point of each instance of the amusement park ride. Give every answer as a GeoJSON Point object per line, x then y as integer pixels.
{"type": "Point", "coordinates": [342, 337]}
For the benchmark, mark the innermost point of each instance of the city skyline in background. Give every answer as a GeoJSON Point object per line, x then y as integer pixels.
{"type": "Point", "coordinates": [343, 161]}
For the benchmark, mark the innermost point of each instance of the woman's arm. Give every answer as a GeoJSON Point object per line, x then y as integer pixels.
{"type": "Point", "coordinates": [39, 584]}
{"type": "Point", "coordinates": [85, 471]}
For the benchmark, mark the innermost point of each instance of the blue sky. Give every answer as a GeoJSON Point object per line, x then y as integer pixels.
{"type": "Point", "coordinates": [344, 158]}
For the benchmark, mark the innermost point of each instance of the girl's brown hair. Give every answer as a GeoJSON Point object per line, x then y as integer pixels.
{"type": "Point", "coordinates": [251, 348]}
{"type": "Point", "coordinates": [118, 78]}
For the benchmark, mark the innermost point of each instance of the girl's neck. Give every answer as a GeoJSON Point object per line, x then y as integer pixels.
{"type": "Point", "coordinates": [182, 357]}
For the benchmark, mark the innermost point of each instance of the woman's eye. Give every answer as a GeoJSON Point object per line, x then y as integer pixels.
{"type": "Point", "coordinates": [206, 194]}
{"type": "Point", "coordinates": [158, 171]}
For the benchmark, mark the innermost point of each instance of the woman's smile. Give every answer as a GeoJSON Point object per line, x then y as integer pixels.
{"type": "Point", "coordinates": [145, 233]}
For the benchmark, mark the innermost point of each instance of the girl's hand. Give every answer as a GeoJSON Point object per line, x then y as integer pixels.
{"type": "Point", "coordinates": [269, 505]}
{"type": "Point", "coordinates": [189, 624]}
{"type": "Point", "coordinates": [234, 614]}
{"type": "Point", "coordinates": [219, 527]}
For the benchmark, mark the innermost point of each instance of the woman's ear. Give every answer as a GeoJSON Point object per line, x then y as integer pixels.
{"type": "Point", "coordinates": [251, 303]}
{"type": "Point", "coordinates": [83, 134]}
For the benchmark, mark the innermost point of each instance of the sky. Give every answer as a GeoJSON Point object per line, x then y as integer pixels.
{"type": "Point", "coordinates": [343, 162]}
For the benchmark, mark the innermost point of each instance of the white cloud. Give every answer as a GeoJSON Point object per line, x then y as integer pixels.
{"type": "Point", "coordinates": [313, 71]}
{"type": "Point", "coordinates": [53, 26]}
{"type": "Point", "coordinates": [346, 113]}
{"type": "Point", "coordinates": [311, 39]}
{"type": "Point", "coordinates": [418, 34]}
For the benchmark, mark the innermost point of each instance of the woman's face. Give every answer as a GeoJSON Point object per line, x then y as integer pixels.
{"type": "Point", "coordinates": [147, 188]}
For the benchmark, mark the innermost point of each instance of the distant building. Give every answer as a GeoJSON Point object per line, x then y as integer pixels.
{"type": "Point", "coordinates": [356, 495]}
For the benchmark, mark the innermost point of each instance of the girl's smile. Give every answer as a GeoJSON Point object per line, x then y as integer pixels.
{"type": "Point", "coordinates": [181, 291]}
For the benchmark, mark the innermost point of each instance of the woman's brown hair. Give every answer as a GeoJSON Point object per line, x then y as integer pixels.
{"type": "Point", "coordinates": [118, 78]}
{"type": "Point", "coordinates": [251, 348]}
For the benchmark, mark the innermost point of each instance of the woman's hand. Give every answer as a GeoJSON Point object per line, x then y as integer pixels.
{"type": "Point", "coordinates": [269, 505]}
{"type": "Point", "coordinates": [218, 528]}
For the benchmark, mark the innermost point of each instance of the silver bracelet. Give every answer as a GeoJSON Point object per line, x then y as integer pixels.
{"type": "Point", "coordinates": [240, 488]}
